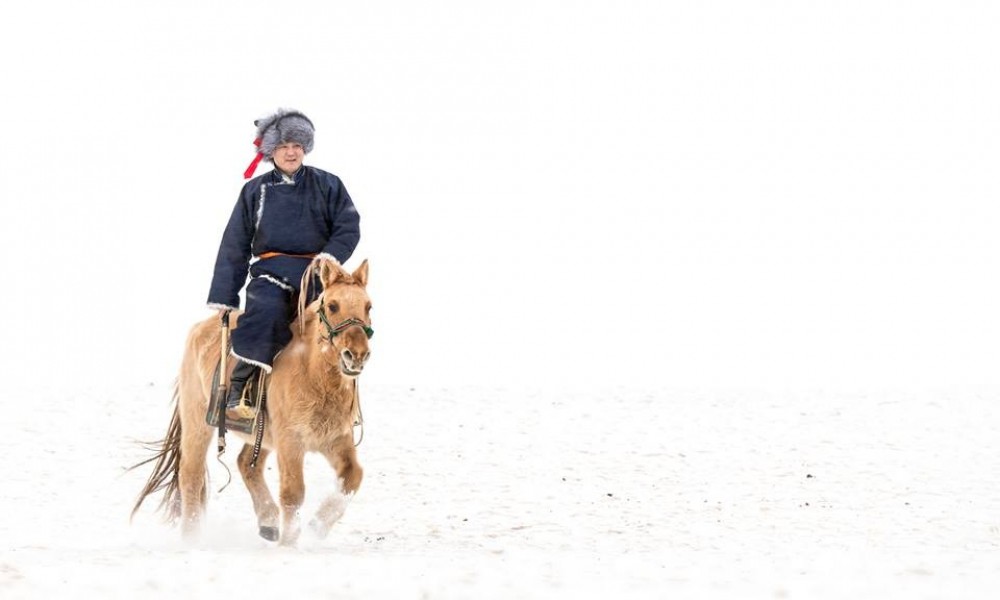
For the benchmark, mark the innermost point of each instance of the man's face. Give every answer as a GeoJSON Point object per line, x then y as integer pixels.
{"type": "Point", "coordinates": [288, 157]}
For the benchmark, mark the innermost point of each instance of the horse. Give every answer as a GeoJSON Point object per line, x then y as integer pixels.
{"type": "Point", "coordinates": [311, 407]}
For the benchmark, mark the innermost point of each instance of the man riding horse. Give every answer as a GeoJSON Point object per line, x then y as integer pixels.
{"type": "Point", "coordinates": [281, 221]}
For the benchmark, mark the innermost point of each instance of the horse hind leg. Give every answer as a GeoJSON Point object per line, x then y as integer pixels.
{"type": "Point", "coordinates": [345, 462]}
{"type": "Point", "coordinates": [263, 503]}
{"type": "Point", "coordinates": [192, 482]}
{"type": "Point", "coordinates": [192, 472]}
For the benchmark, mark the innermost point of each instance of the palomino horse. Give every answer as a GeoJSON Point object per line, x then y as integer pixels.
{"type": "Point", "coordinates": [311, 407]}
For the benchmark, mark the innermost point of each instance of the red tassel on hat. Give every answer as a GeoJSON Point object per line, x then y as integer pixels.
{"type": "Point", "coordinates": [256, 161]}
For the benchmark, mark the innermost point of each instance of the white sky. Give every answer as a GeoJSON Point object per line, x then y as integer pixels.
{"type": "Point", "coordinates": [693, 194]}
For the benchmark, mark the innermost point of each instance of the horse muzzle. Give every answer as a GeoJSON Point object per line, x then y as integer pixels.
{"type": "Point", "coordinates": [352, 364]}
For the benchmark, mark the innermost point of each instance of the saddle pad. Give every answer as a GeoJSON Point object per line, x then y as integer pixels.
{"type": "Point", "coordinates": [258, 400]}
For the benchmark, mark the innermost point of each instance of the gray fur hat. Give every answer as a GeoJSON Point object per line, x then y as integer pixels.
{"type": "Point", "coordinates": [285, 125]}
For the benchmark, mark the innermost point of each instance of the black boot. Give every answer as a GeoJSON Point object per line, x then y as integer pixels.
{"type": "Point", "coordinates": [237, 382]}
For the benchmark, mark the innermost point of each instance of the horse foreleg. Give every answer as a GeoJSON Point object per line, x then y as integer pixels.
{"type": "Point", "coordinates": [292, 492]}
{"type": "Point", "coordinates": [344, 460]}
{"type": "Point", "coordinates": [263, 502]}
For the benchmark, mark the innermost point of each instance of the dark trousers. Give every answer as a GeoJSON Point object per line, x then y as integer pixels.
{"type": "Point", "coordinates": [264, 329]}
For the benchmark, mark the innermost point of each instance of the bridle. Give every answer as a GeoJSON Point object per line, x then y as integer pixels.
{"type": "Point", "coordinates": [335, 330]}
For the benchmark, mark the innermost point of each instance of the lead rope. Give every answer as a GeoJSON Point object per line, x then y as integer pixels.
{"type": "Point", "coordinates": [260, 434]}
{"type": "Point", "coordinates": [360, 422]}
{"type": "Point", "coordinates": [262, 382]}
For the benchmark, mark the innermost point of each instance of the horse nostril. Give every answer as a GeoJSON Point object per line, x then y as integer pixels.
{"type": "Point", "coordinates": [348, 355]}
{"type": "Point", "coordinates": [364, 357]}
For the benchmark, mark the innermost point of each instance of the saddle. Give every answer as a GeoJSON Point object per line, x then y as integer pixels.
{"type": "Point", "coordinates": [254, 398]}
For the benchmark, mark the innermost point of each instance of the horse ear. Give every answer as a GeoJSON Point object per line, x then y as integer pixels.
{"type": "Point", "coordinates": [330, 271]}
{"type": "Point", "coordinates": [360, 274]}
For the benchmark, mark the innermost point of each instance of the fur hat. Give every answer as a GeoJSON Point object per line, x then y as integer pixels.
{"type": "Point", "coordinates": [285, 125]}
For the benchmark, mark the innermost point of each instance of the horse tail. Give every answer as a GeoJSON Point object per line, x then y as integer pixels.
{"type": "Point", "coordinates": [166, 469]}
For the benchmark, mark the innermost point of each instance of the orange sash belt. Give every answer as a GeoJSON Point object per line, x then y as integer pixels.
{"type": "Point", "coordinates": [273, 254]}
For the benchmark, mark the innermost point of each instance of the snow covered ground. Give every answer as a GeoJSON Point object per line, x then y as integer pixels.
{"type": "Point", "coordinates": [764, 232]}
{"type": "Point", "coordinates": [474, 492]}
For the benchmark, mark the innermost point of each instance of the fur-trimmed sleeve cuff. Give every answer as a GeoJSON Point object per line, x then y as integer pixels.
{"type": "Point", "coordinates": [328, 256]}
{"type": "Point", "coordinates": [214, 306]}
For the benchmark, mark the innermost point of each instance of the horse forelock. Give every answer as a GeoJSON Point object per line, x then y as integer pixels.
{"type": "Point", "coordinates": [352, 298]}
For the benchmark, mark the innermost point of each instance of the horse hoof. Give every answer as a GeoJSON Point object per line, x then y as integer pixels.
{"type": "Point", "coordinates": [318, 530]}
{"type": "Point", "coordinates": [269, 533]}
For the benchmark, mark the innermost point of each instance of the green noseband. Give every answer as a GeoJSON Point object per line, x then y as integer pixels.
{"type": "Point", "coordinates": [333, 331]}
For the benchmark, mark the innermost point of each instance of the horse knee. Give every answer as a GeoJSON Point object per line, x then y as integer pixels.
{"type": "Point", "coordinates": [348, 469]}
{"type": "Point", "coordinates": [352, 476]}
{"type": "Point", "coordinates": [292, 494]}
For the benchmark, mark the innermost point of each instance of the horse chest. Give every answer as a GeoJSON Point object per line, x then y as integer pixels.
{"type": "Point", "coordinates": [322, 434]}
{"type": "Point", "coordinates": [316, 434]}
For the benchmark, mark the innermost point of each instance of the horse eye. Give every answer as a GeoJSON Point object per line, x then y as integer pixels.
{"type": "Point", "coordinates": [333, 306]}
{"type": "Point", "coordinates": [368, 308]}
